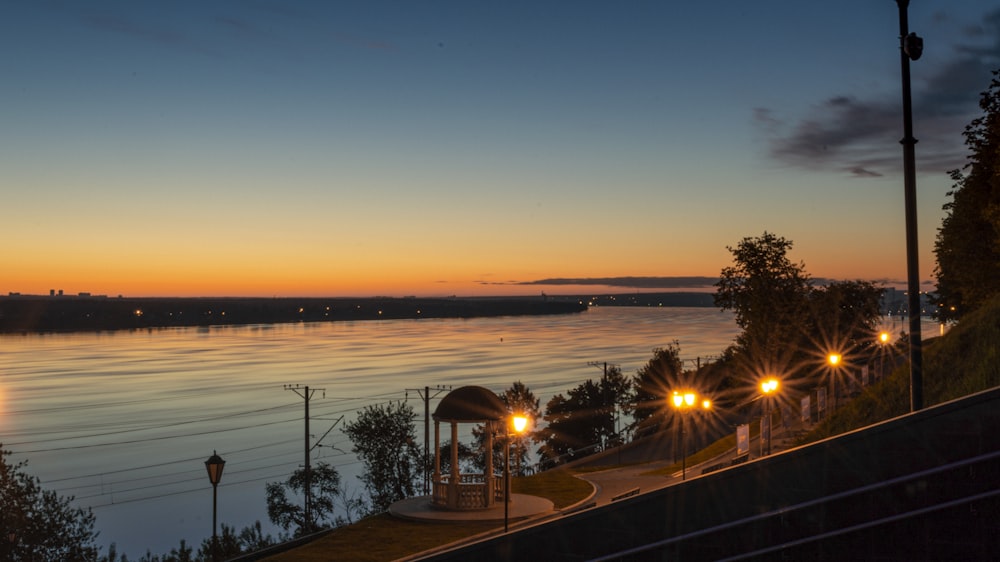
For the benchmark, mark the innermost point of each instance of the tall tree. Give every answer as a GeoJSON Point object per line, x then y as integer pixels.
{"type": "Point", "coordinates": [766, 291]}
{"type": "Point", "coordinates": [385, 439]}
{"type": "Point", "coordinates": [968, 243]}
{"type": "Point", "coordinates": [769, 295]}
{"type": "Point", "coordinates": [39, 524]}
{"type": "Point", "coordinates": [652, 384]}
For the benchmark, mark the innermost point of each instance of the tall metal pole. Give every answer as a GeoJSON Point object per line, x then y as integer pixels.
{"type": "Point", "coordinates": [215, 511]}
{"type": "Point", "coordinates": [683, 451]}
{"type": "Point", "coordinates": [506, 482]}
{"type": "Point", "coordinates": [306, 394]}
{"type": "Point", "coordinates": [308, 477]}
{"type": "Point", "coordinates": [909, 47]}
{"type": "Point", "coordinates": [425, 395]}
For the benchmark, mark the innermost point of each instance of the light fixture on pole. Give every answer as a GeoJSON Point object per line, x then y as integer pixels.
{"type": "Point", "coordinates": [519, 423]}
{"type": "Point", "coordinates": [833, 360]}
{"type": "Point", "coordinates": [682, 402]}
{"type": "Point", "coordinates": [768, 387]}
{"type": "Point", "coordinates": [214, 465]}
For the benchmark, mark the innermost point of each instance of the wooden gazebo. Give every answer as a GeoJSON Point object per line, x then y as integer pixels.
{"type": "Point", "coordinates": [466, 492]}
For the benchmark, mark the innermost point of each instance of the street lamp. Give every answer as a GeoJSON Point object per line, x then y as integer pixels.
{"type": "Point", "coordinates": [883, 341]}
{"type": "Point", "coordinates": [833, 360]}
{"type": "Point", "coordinates": [519, 422]}
{"type": "Point", "coordinates": [214, 465]}
{"type": "Point", "coordinates": [768, 387]}
{"type": "Point", "coordinates": [910, 48]}
{"type": "Point", "coordinates": [682, 402]}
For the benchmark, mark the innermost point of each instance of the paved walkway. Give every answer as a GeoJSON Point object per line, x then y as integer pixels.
{"type": "Point", "coordinates": [521, 506]}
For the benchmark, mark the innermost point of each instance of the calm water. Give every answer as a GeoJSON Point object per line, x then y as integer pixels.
{"type": "Point", "coordinates": [124, 421]}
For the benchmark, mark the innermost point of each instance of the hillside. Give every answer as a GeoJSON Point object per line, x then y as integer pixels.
{"type": "Point", "coordinates": [963, 361]}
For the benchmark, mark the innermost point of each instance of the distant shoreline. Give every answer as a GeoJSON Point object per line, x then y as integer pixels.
{"type": "Point", "coordinates": [85, 313]}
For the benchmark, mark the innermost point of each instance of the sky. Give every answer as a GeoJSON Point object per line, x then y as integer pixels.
{"type": "Point", "coordinates": [266, 148]}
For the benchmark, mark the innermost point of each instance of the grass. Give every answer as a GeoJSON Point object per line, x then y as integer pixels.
{"type": "Point", "coordinates": [384, 537]}
{"type": "Point", "coordinates": [964, 361]}
{"type": "Point", "coordinates": [715, 449]}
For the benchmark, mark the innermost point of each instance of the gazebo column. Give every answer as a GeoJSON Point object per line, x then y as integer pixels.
{"type": "Point", "coordinates": [488, 477]}
{"type": "Point", "coordinates": [437, 451]}
{"type": "Point", "coordinates": [454, 483]}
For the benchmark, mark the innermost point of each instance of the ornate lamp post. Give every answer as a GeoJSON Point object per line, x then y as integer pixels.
{"type": "Point", "coordinates": [518, 422]}
{"type": "Point", "coordinates": [214, 465]}
{"type": "Point", "coordinates": [683, 402]}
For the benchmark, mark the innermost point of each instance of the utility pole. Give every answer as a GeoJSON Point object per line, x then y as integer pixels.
{"type": "Point", "coordinates": [306, 393]}
{"type": "Point", "coordinates": [425, 395]}
{"type": "Point", "coordinates": [614, 403]}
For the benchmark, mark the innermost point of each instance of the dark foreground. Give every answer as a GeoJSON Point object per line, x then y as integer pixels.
{"type": "Point", "coordinates": [25, 314]}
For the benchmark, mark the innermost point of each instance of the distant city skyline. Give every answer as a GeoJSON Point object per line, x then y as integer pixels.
{"type": "Point", "coordinates": [376, 148]}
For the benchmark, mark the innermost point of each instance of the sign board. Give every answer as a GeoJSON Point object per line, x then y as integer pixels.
{"type": "Point", "coordinates": [742, 439]}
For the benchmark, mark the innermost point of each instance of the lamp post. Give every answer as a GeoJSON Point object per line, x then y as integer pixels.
{"type": "Point", "coordinates": [911, 47]}
{"type": "Point", "coordinates": [519, 422]}
{"type": "Point", "coordinates": [768, 387]}
{"type": "Point", "coordinates": [834, 361]}
{"type": "Point", "coordinates": [214, 465]}
{"type": "Point", "coordinates": [883, 340]}
{"type": "Point", "coordinates": [683, 402]}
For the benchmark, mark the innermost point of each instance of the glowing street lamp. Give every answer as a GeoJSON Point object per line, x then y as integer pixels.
{"type": "Point", "coordinates": [834, 360]}
{"type": "Point", "coordinates": [682, 402]}
{"type": "Point", "coordinates": [768, 387]}
{"type": "Point", "coordinates": [883, 342]}
{"type": "Point", "coordinates": [518, 422]}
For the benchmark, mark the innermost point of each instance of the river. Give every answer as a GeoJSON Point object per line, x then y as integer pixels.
{"type": "Point", "coordinates": [124, 420]}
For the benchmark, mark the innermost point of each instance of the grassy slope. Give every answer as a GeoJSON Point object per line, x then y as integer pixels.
{"type": "Point", "coordinates": [964, 361]}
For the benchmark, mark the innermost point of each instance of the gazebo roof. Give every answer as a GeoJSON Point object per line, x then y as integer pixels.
{"type": "Point", "coordinates": [470, 404]}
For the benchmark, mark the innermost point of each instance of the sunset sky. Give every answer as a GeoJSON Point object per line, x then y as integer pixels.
{"type": "Point", "coordinates": [335, 148]}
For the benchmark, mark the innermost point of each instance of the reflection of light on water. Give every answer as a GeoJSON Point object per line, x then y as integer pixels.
{"type": "Point", "coordinates": [897, 325]}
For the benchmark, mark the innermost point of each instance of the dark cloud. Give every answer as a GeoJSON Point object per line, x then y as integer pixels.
{"type": "Point", "coordinates": [860, 136]}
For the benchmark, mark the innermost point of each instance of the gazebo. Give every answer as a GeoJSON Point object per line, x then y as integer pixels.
{"type": "Point", "coordinates": [467, 492]}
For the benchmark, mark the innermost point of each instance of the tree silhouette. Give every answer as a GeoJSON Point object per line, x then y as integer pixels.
{"type": "Point", "coordinates": [39, 524]}
{"type": "Point", "coordinates": [385, 439]}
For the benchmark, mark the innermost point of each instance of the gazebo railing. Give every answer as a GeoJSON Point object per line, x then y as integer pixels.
{"type": "Point", "coordinates": [469, 493]}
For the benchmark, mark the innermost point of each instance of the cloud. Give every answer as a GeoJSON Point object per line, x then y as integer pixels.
{"type": "Point", "coordinates": [860, 136]}
{"type": "Point", "coordinates": [629, 282]}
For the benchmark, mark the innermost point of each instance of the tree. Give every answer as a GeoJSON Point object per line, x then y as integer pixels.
{"type": "Point", "coordinates": [767, 292]}
{"type": "Point", "coordinates": [652, 385]}
{"type": "Point", "coordinates": [575, 426]}
{"type": "Point", "coordinates": [385, 439]}
{"type": "Point", "coordinates": [324, 481]}
{"type": "Point", "coordinates": [967, 247]}
{"type": "Point", "coordinates": [519, 400]}
{"type": "Point", "coordinates": [44, 525]}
